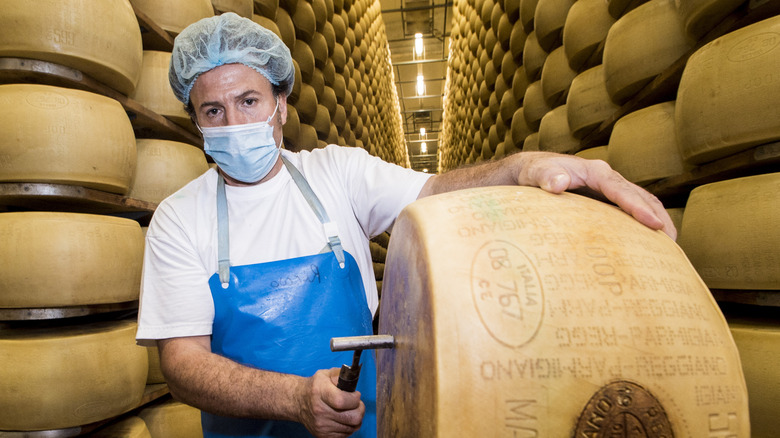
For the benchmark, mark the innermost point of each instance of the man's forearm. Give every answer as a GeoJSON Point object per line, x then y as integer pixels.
{"type": "Point", "coordinates": [218, 385]}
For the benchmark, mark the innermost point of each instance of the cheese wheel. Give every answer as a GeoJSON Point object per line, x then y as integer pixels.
{"type": "Point", "coordinates": [154, 374]}
{"type": "Point", "coordinates": [304, 20]}
{"type": "Point", "coordinates": [292, 127]}
{"type": "Point", "coordinates": [174, 15]}
{"type": "Point", "coordinates": [65, 136]}
{"type": "Point", "coordinates": [154, 90]}
{"type": "Point", "coordinates": [700, 16]}
{"type": "Point", "coordinates": [518, 310]}
{"type": "Point", "coordinates": [534, 105]}
{"type": "Point", "coordinates": [164, 167]}
{"type": "Point", "coordinates": [286, 28]}
{"type": "Point", "coordinates": [549, 18]}
{"type": "Point", "coordinates": [556, 78]}
{"type": "Point", "coordinates": [527, 12]}
{"type": "Point", "coordinates": [641, 45]}
{"type": "Point", "coordinates": [172, 419]}
{"type": "Point", "coordinates": [533, 57]}
{"type": "Point", "coordinates": [597, 153]}
{"type": "Point", "coordinates": [724, 88]}
{"type": "Point", "coordinates": [759, 348]}
{"type": "Point", "coordinates": [730, 232]}
{"type": "Point", "coordinates": [76, 374]}
{"type": "Point", "coordinates": [68, 259]}
{"type": "Point", "coordinates": [307, 104]}
{"type": "Point", "coordinates": [554, 133]}
{"type": "Point", "coordinates": [643, 146]}
{"type": "Point", "coordinates": [131, 427]}
{"type": "Point", "coordinates": [585, 30]}
{"type": "Point", "coordinates": [517, 40]}
{"type": "Point", "coordinates": [268, 24]}
{"type": "Point", "coordinates": [101, 39]}
{"type": "Point", "coordinates": [588, 102]}
{"type": "Point", "coordinates": [244, 8]}
{"type": "Point", "coordinates": [270, 8]}
{"type": "Point", "coordinates": [618, 8]}
{"type": "Point", "coordinates": [677, 217]}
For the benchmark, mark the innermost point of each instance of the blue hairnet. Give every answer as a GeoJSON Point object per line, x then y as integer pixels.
{"type": "Point", "coordinates": [228, 39]}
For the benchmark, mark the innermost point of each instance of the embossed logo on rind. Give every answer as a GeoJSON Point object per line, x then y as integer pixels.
{"type": "Point", "coordinates": [507, 293]}
{"type": "Point", "coordinates": [47, 100]}
{"type": "Point", "coordinates": [623, 409]}
{"type": "Point", "coordinates": [753, 46]}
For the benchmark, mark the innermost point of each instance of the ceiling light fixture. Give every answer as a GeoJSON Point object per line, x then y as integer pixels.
{"type": "Point", "coordinates": [422, 132]}
{"type": "Point", "coordinates": [423, 148]}
{"type": "Point", "coordinates": [420, 85]}
{"type": "Point", "coordinates": [418, 45]}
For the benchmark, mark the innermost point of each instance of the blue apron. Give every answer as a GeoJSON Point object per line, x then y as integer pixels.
{"type": "Point", "coordinates": [279, 316]}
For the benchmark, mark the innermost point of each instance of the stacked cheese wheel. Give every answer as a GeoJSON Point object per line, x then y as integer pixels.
{"type": "Point", "coordinates": [516, 309]}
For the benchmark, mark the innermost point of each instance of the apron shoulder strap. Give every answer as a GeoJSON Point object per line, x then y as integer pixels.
{"type": "Point", "coordinates": [223, 242]}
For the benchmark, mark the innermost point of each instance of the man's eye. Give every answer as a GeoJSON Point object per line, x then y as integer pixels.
{"type": "Point", "coordinates": [250, 101]}
{"type": "Point", "coordinates": [212, 112]}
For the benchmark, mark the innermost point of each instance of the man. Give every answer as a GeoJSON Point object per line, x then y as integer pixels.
{"type": "Point", "coordinates": [249, 270]}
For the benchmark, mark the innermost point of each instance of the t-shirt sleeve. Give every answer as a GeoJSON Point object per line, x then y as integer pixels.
{"type": "Point", "coordinates": [175, 296]}
{"type": "Point", "coordinates": [378, 190]}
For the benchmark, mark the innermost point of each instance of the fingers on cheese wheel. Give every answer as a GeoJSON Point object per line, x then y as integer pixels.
{"type": "Point", "coordinates": [68, 259]}
{"type": "Point", "coordinates": [131, 427]}
{"type": "Point", "coordinates": [531, 300]}
{"type": "Point", "coordinates": [164, 167]}
{"type": "Point", "coordinates": [586, 28]}
{"type": "Point", "coordinates": [554, 133]}
{"type": "Point", "coordinates": [730, 232]}
{"type": "Point", "coordinates": [172, 419]}
{"type": "Point", "coordinates": [75, 374]}
{"type": "Point", "coordinates": [174, 15]}
{"type": "Point", "coordinates": [643, 145]}
{"type": "Point", "coordinates": [154, 90]}
{"type": "Point", "coordinates": [244, 8]}
{"type": "Point", "coordinates": [640, 45]}
{"type": "Point", "coordinates": [724, 86]}
{"type": "Point", "coordinates": [588, 102]}
{"type": "Point", "coordinates": [759, 348]}
{"type": "Point", "coordinates": [61, 135]}
{"type": "Point", "coordinates": [101, 39]}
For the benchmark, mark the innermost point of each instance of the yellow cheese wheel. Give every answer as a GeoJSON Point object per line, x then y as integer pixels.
{"type": "Point", "coordinates": [556, 78]}
{"type": "Point", "coordinates": [304, 20]}
{"type": "Point", "coordinates": [68, 259]}
{"type": "Point", "coordinates": [154, 374]}
{"type": "Point", "coordinates": [641, 45]}
{"type": "Point", "coordinates": [588, 103]}
{"type": "Point", "coordinates": [164, 167]}
{"type": "Point", "coordinates": [533, 57]}
{"type": "Point", "coordinates": [60, 135]}
{"type": "Point", "coordinates": [518, 310]}
{"type": "Point", "coordinates": [554, 133]}
{"type": "Point", "coordinates": [618, 8]}
{"type": "Point", "coordinates": [101, 39]}
{"type": "Point", "coordinates": [549, 18]}
{"type": "Point", "coordinates": [730, 232]}
{"type": "Point", "coordinates": [725, 88]}
{"type": "Point", "coordinates": [643, 146]}
{"type": "Point", "coordinates": [174, 15]}
{"type": "Point", "coordinates": [270, 8]}
{"type": "Point", "coordinates": [759, 349]}
{"type": "Point", "coordinates": [172, 419]}
{"type": "Point", "coordinates": [527, 12]}
{"type": "Point", "coordinates": [60, 377]}
{"type": "Point", "coordinates": [244, 8]}
{"type": "Point", "coordinates": [268, 24]}
{"type": "Point", "coordinates": [154, 90]}
{"type": "Point", "coordinates": [534, 105]}
{"type": "Point", "coordinates": [286, 28]}
{"type": "Point", "coordinates": [131, 427]}
{"type": "Point", "coordinates": [700, 16]}
{"type": "Point", "coordinates": [585, 30]}
{"type": "Point", "coordinates": [531, 143]}
{"type": "Point", "coordinates": [597, 153]}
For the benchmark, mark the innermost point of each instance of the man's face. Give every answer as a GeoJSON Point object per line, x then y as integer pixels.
{"type": "Point", "coordinates": [234, 94]}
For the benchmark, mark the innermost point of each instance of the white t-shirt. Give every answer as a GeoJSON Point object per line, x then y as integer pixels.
{"type": "Point", "coordinates": [270, 221]}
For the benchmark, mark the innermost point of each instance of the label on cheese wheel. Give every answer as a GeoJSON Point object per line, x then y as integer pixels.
{"type": "Point", "coordinates": [518, 312]}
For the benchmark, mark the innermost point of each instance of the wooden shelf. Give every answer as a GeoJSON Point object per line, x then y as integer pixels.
{"type": "Point", "coordinates": [62, 197]}
{"type": "Point", "coordinates": [154, 37]}
{"type": "Point", "coordinates": [768, 298]}
{"type": "Point", "coordinates": [146, 123]}
{"type": "Point", "coordinates": [151, 393]}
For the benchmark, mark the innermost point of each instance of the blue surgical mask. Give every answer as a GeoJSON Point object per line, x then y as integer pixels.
{"type": "Point", "coordinates": [247, 153]}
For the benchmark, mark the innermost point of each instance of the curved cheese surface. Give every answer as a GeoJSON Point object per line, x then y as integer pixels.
{"type": "Point", "coordinates": [516, 309]}
{"type": "Point", "coordinates": [60, 135]}
{"type": "Point", "coordinates": [164, 167]}
{"type": "Point", "coordinates": [172, 419]}
{"type": "Point", "coordinates": [75, 375]}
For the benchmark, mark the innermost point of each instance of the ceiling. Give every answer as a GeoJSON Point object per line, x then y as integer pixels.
{"type": "Point", "coordinates": [431, 18]}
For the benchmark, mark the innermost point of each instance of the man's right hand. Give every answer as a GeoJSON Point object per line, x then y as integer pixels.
{"type": "Point", "coordinates": [327, 411]}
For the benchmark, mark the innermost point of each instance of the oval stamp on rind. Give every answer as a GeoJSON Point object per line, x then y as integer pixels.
{"type": "Point", "coordinates": [507, 293]}
{"type": "Point", "coordinates": [623, 409]}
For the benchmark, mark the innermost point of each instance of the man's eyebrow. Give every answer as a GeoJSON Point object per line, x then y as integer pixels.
{"type": "Point", "coordinates": [241, 96]}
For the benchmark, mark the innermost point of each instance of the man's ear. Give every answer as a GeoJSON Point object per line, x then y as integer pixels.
{"type": "Point", "coordinates": [283, 107]}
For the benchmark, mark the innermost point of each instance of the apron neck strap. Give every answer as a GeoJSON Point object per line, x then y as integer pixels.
{"type": "Point", "coordinates": [223, 241]}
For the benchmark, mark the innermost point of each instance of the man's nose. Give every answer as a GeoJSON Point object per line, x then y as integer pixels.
{"type": "Point", "coordinates": [235, 117]}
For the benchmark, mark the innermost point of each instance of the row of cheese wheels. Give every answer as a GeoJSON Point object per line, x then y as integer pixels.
{"type": "Point", "coordinates": [64, 376]}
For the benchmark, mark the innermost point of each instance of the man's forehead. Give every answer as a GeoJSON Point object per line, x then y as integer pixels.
{"type": "Point", "coordinates": [230, 79]}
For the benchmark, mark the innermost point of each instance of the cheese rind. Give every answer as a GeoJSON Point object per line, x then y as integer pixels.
{"type": "Point", "coordinates": [65, 136]}
{"type": "Point", "coordinates": [174, 15]}
{"type": "Point", "coordinates": [55, 378]}
{"type": "Point", "coordinates": [164, 167]}
{"type": "Point", "coordinates": [172, 419]}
